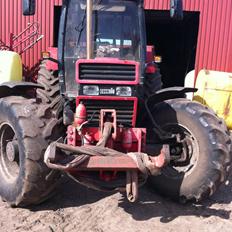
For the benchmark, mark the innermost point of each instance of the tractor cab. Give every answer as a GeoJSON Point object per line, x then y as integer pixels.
{"type": "Point", "coordinates": [108, 38]}
{"type": "Point", "coordinates": [109, 32]}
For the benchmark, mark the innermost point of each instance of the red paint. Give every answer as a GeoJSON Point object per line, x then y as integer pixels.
{"type": "Point", "coordinates": [12, 20]}
{"type": "Point", "coordinates": [127, 139]}
{"type": "Point", "coordinates": [117, 163]}
{"type": "Point", "coordinates": [106, 176]}
{"type": "Point", "coordinates": [214, 50]}
{"type": "Point", "coordinates": [108, 61]}
{"type": "Point", "coordinates": [150, 68]}
{"type": "Point", "coordinates": [93, 131]}
{"type": "Point", "coordinates": [110, 163]}
{"type": "Point", "coordinates": [150, 53]}
{"type": "Point", "coordinates": [110, 98]}
{"type": "Point", "coordinates": [103, 112]}
{"type": "Point", "coordinates": [53, 54]}
{"type": "Point", "coordinates": [136, 138]}
{"type": "Point", "coordinates": [80, 115]}
{"type": "Point", "coordinates": [71, 136]}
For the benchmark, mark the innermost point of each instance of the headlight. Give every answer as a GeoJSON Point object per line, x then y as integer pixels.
{"type": "Point", "coordinates": [91, 90]}
{"type": "Point", "coordinates": [124, 91]}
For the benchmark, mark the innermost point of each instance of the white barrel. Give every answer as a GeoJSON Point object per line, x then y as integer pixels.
{"type": "Point", "coordinates": [189, 82]}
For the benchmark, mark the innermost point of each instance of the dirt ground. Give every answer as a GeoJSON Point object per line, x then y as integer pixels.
{"type": "Point", "coordinates": [75, 208]}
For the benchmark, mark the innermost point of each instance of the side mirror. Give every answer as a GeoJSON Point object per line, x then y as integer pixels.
{"type": "Point", "coordinates": [29, 7]}
{"type": "Point", "coordinates": [176, 10]}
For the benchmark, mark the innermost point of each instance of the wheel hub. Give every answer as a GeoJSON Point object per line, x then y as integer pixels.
{"type": "Point", "coordinates": [12, 151]}
{"type": "Point", "coordinates": [9, 153]}
{"type": "Point", "coordinates": [184, 151]}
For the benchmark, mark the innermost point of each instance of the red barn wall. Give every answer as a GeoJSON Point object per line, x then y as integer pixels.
{"type": "Point", "coordinates": [11, 20]}
{"type": "Point", "coordinates": [214, 49]}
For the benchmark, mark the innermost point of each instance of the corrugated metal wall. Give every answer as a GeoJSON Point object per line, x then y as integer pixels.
{"type": "Point", "coordinates": [215, 33]}
{"type": "Point", "coordinates": [11, 20]}
{"type": "Point", "coordinates": [214, 50]}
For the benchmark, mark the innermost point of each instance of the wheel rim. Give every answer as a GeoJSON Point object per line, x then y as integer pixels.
{"type": "Point", "coordinates": [9, 154]}
{"type": "Point", "coordinates": [190, 147]}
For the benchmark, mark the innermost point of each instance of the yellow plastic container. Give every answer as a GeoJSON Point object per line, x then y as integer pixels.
{"type": "Point", "coordinates": [215, 91]}
{"type": "Point", "coordinates": [10, 66]}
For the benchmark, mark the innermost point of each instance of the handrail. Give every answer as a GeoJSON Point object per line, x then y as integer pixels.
{"type": "Point", "coordinates": [25, 39]}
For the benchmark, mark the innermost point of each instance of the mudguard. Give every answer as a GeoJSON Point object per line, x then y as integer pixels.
{"type": "Point", "coordinates": [17, 88]}
{"type": "Point", "coordinates": [162, 95]}
{"type": "Point", "coordinates": [168, 93]}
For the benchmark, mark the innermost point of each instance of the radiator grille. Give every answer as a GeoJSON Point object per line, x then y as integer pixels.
{"type": "Point", "coordinates": [110, 72]}
{"type": "Point", "coordinates": [124, 110]}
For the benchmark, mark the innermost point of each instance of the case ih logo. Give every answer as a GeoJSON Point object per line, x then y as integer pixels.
{"type": "Point", "coordinates": [109, 91]}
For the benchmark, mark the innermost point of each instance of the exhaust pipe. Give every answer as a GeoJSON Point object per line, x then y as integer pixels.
{"type": "Point", "coordinates": [89, 28]}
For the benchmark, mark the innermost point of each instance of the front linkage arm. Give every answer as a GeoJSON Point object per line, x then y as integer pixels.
{"type": "Point", "coordinates": [137, 165]}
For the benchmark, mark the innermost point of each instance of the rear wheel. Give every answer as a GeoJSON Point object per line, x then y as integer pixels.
{"type": "Point", "coordinates": [24, 178]}
{"type": "Point", "coordinates": [50, 82]}
{"type": "Point", "coordinates": [26, 129]}
{"type": "Point", "coordinates": [50, 103]}
{"type": "Point", "coordinates": [201, 159]}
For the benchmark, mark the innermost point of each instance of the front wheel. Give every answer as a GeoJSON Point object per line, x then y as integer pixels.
{"type": "Point", "coordinates": [200, 161]}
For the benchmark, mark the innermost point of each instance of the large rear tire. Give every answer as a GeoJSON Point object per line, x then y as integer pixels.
{"type": "Point", "coordinates": [207, 147]}
{"type": "Point", "coordinates": [50, 102]}
{"type": "Point", "coordinates": [50, 82]}
{"type": "Point", "coordinates": [26, 129]}
{"type": "Point", "coordinates": [24, 178]}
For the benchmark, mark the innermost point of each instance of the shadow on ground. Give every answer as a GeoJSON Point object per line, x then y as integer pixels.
{"type": "Point", "coordinates": [150, 205]}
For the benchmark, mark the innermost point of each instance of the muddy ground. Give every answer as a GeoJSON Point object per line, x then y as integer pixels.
{"type": "Point", "coordinates": [75, 208]}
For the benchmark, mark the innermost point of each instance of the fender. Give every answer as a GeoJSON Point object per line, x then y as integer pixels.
{"type": "Point", "coordinates": [168, 93]}
{"type": "Point", "coordinates": [14, 88]}
{"type": "Point", "coordinates": [162, 95]}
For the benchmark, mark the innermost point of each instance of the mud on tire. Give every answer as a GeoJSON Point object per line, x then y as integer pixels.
{"type": "Point", "coordinates": [50, 102]}
{"type": "Point", "coordinates": [23, 178]}
{"type": "Point", "coordinates": [210, 165]}
{"type": "Point", "coordinates": [50, 82]}
{"type": "Point", "coordinates": [29, 125]}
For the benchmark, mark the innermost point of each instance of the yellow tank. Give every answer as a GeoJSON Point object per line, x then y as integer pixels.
{"type": "Point", "coordinates": [10, 66]}
{"type": "Point", "coordinates": [215, 91]}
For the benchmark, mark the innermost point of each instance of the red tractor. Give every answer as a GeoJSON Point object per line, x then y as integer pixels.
{"type": "Point", "coordinates": [98, 114]}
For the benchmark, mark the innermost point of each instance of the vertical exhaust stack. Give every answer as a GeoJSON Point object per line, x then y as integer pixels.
{"type": "Point", "coordinates": [89, 29]}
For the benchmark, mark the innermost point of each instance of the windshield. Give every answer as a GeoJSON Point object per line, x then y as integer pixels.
{"type": "Point", "coordinates": [115, 29]}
